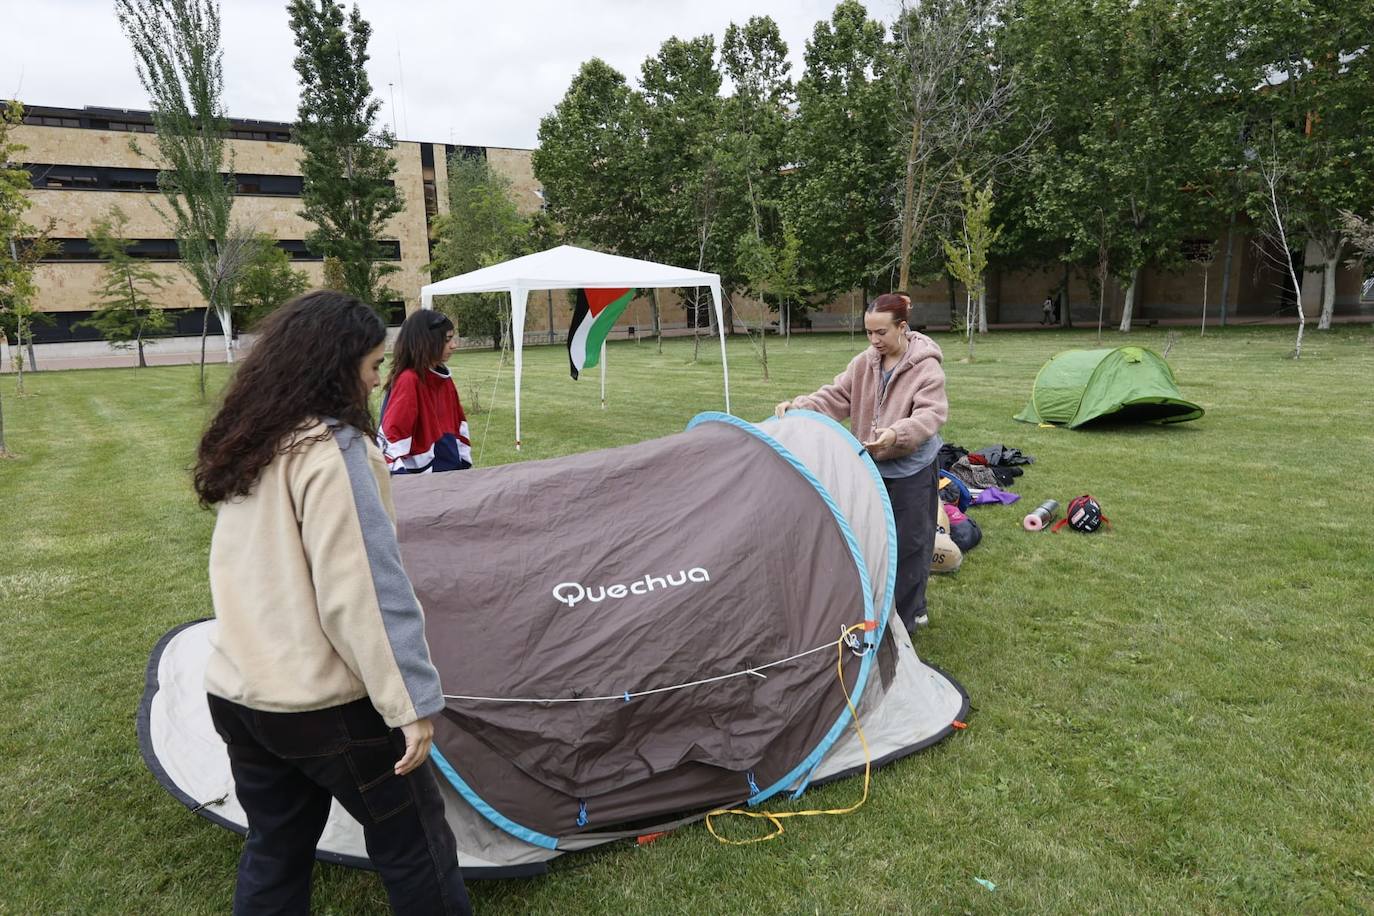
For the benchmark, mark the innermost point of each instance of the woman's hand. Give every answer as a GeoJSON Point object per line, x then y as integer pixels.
{"type": "Point", "coordinates": [419, 735]}
{"type": "Point", "coordinates": [883, 438]}
{"type": "Point", "coordinates": [781, 409]}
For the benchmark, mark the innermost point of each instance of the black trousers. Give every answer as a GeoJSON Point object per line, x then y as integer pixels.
{"type": "Point", "coordinates": [914, 504]}
{"type": "Point", "coordinates": [288, 766]}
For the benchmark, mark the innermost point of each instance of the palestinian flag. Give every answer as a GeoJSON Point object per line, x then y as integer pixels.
{"type": "Point", "coordinates": [593, 317]}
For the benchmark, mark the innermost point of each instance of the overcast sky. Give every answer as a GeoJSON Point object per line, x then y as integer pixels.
{"type": "Point", "coordinates": [464, 71]}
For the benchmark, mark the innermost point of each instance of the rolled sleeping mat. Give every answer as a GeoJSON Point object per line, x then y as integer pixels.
{"type": "Point", "coordinates": [1042, 516]}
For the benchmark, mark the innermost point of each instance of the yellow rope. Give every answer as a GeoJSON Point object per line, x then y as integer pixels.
{"type": "Point", "coordinates": [775, 818]}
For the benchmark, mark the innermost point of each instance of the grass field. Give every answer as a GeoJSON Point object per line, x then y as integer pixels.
{"type": "Point", "coordinates": [1171, 717]}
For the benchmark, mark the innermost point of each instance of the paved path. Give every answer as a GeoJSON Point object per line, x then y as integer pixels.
{"type": "Point", "coordinates": [129, 358]}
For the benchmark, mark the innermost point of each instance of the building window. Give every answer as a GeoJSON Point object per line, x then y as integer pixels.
{"type": "Point", "coordinates": [1196, 249]}
{"type": "Point", "coordinates": [166, 250]}
{"type": "Point", "coordinates": [104, 178]}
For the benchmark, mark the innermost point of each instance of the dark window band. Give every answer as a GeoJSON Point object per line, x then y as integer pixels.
{"type": "Point", "coordinates": [166, 250]}
{"type": "Point", "coordinates": [108, 178]}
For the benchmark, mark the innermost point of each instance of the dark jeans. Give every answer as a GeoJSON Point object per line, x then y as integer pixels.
{"type": "Point", "coordinates": [287, 767]}
{"type": "Point", "coordinates": [914, 504]}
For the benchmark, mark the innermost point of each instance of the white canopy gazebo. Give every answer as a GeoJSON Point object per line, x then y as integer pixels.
{"type": "Point", "coordinates": [566, 267]}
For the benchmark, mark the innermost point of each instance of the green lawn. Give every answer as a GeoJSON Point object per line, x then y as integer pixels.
{"type": "Point", "coordinates": [1173, 716]}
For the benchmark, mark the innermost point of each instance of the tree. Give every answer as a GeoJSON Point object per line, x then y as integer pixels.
{"type": "Point", "coordinates": [1310, 71]}
{"type": "Point", "coordinates": [127, 312]}
{"type": "Point", "coordinates": [347, 169]}
{"type": "Point", "coordinates": [482, 227]}
{"type": "Point", "coordinates": [588, 160]}
{"type": "Point", "coordinates": [333, 274]}
{"type": "Point", "coordinates": [966, 257]}
{"type": "Point", "coordinates": [1361, 234]}
{"type": "Point", "coordinates": [751, 154]}
{"type": "Point", "coordinates": [954, 95]}
{"type": "Point", "coordinates": [679, 111]}
{"type": "Point", "coordinates": [268, 282]}
{"type": "Point", "coordinates": [839, 196]}
{"type": "Point", "coordinates": [1274, 174]}
{"type": "Point", "coordinates": [1132, 163]}
{"type": "Point", "coordinates": [16, 285]}
{"type": "Point", "coordinates": [177, 55]}
{"type": "Point", "coordinates": [22, 245]}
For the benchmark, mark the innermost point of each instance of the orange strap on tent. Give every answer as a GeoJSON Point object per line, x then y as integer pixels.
{"type": "Point", "coordinates": [775, 818]}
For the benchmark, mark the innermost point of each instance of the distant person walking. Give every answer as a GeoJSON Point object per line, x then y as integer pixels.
{"type": "Point", "coordinates": [1047, 309]}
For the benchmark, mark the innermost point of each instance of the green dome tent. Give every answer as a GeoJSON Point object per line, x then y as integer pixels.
{"type": "Point", "coordinates": [1124, 383]}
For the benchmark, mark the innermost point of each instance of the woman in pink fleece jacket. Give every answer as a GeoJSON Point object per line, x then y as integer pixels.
{"type": "Point", "coordinates": [893, 394]}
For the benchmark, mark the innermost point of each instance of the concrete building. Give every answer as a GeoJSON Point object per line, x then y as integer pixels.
{"type": "Point", "coordinates": [84, 161]}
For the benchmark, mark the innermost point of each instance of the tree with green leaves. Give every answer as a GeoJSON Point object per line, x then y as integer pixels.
{"type": "Point", "coordinates": [838, 196]}
{"type": "Point", "coordinates": [16, 284]}
{"type": "Point", "coordinates": [483, 226]}
{"type": "Point", "coordinates": [1309, 67]}
{"type": "Point", "coordinates": [22, 245]}
{"type": "Point", "coordinates": [966, 255]}
{"type": "Point", "coordinates": [678, 109]}
{"type": "Point", "coordinates": [955, 94]}
{"type": "Point", "coordinates": [127, 313]}
{"type": "Point", "coordinates": [177, 55]}
{"type": "Point", "coordinates": [589, 161]}
{"type": "Point", "coordinates": [1131, 166]}
{"type": "Point", "coordinates": [347, 169]}
{"type": "Point", "coordinates": [268, 282]}
{"type": "Point", "coordinates": [751, 155]}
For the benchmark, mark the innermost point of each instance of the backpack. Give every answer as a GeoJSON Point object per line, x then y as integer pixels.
{"type": "Point", "coordinates": [1084, 514]}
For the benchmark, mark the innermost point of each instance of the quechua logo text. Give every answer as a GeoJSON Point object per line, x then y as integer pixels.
{"type": "Point", "coordinates": [574, 593]}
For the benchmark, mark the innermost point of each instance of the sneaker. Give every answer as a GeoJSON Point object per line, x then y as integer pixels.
{"type": "Point", "coordinates": [923, 620]}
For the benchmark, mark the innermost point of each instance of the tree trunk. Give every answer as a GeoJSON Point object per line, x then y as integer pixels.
{"type": "Point", "coordinates": [1329, 265]}
{"type": "Point", "coordinates": [983, 308]}
{"type": "Point", "coordinates": [968, 314]}
{"type": "Point", "coordinates": [953, 305]}
{"type": "Point", "coordinates": [1226, 266]}
{"type": "Point", "coordinates": [142, 360]}
{"type": "Point", "coordinates": [226, 327]}
{"type": "Point", "coordinates": [696, 323]}
{"type": "Point", "coordinates": [658, 323]}
{"type": "Point", "coordinates": [33, 357]}
{"type": "Point", "coordinates": [1103, 262]}
{"type": "Point", "coordinates": [763, 335]}
{"type": "Point", "coordinates": [204, 332]}
{"type": "Point", "coordinates": [1129, 307]}
{"type": "Point", "coordinates": [908, 206]}
{"type": "Point", "coordinates": [1065, 306]}
{"type": "Point", "coordinates": [1206, 275]}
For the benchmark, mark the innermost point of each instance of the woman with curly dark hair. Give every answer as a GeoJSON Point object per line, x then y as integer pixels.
{"type": "Point", "coordinates": [423, 425]}
{"type": "Point", "coordinates": [320, 680]}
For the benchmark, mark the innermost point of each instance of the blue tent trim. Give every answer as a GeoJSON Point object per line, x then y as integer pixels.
{"type": "Point", "coordinates": [802, 771]}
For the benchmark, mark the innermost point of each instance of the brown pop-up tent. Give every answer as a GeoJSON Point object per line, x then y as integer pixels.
{"type": "Point", "coordinates": [628, 639]}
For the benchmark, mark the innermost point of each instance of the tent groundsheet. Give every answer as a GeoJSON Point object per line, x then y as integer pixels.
{"type": "Point", "coordinates": [627, 640]}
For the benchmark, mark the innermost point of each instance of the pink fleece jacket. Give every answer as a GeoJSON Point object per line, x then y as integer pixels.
{"type": "Point", "coordinates": [913, 405]}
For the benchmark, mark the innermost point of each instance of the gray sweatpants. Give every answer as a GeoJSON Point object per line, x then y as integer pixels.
{"type": "Point", "coordinates": [914, 505]}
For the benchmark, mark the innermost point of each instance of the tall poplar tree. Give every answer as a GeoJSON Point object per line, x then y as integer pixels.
{"type": "Point", "coordinates": [177, 54]}
{"type": "Point", "coordinates": [346, 164]}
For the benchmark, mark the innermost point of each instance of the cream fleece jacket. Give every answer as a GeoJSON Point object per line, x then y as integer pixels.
{"type": "Point", "coordinates": [314, 607]}
{"type": "Point", "coordinates": [913, 405]}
